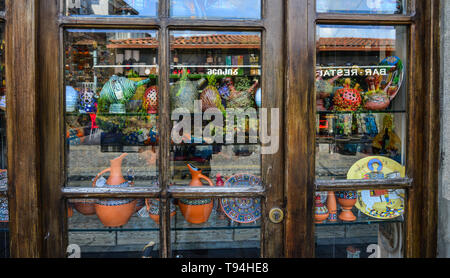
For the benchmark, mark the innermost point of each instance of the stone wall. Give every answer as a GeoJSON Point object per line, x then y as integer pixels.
{"type": "Point", "coordinates": [444, 184]}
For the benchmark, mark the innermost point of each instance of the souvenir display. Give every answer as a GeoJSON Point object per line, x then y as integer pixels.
{"type": "Point", "coordinates": [114, 212]}
{"type": "Point", "coordinates": [210, 96]}
{"type": "Point", "coordinates": [119, 90]}
{"type": "Point", "coordinates": [151, 100]}
{"type": "Point", "coordinates": [153, 209]}
{"type": "Point", "coordinates": [196, 211]}
{"type": "Point", "coordinates": [381, 204]}
{"type": "Point", "coordinates": [242, 93]}
{"type": "Point", "coordinates": [87, 101]}
{"type": "Point", "coordinates": [321, 212]}
{"type": "Point", "coordinates": [184, 92]}
{"type": "Point", "coordinates": [347, 200]}
{"type": "Point", "coordinates": [71, 99]}
{"type": "Point", "coordinates": [394, 76]}
{"type": "Point", "coordinates": [242, 210]}
{"type": "Point", "coordinates": [347, 98]}
{"type": "Point", "coordinates": [331, 206]}
{"type": "Point", "coordinates": [376, 98]}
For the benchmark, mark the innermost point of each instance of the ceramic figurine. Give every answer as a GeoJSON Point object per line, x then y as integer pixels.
{"type": "Point", "coordinates": [151, 100]}
{"type": "Point", "coordinates": [184, 93]}
{"type": "Point", "coordinates": [331, 206]}
{"type": "Point", "coordinates": [196, 211]}
{"type": "Point", "coordinates": [347, 98]}
{"type": "Point", "coordinates": [87, 101]}
{"type": "Point", "coordinates": [242, 94]}
{"type": "Point", "coordinates": [320, 212]}
{"type": "Point", "coordinates": [324, 88]}
{"type": "Point", "coordinates": [115, 212]}
{"type": "Point", "coordinates": [210, 96]}
{"type": "Point", "coordinates": [347, 200]}
{"type": "Point", "coordinates": [376, 98]}
{"type": "Point", "coordinates": [120, 89]}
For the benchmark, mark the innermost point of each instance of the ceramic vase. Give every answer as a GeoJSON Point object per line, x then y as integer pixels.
{"type": "Point", "coordinates": [151, 100]}
{"type": "Point", "coordinates": [321, 211]}
{"type": "Point", "coordinates": [347, 199]}
{"type": "Point", "coordinates": [120, 89]}
{"type": "Point", "coordinates": [196, 211]}
{"type": "Point", "coordinates": [347, 98]}
{"type": "Point", "coordinates": [332, 206]}
{"type": "Point", "coordinates": [115, 212]}
{"type": "Point", "coordinates": [71, 99]}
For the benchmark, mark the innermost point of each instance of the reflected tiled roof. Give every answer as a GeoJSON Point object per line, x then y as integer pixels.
{"type": "Point", "coordinates": [355, 44]}
{"type": "Point", "coordinates": [254, 42]}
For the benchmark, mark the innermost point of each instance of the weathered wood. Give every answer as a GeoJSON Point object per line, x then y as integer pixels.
{"type": "Point", "coordinates": [300, 128]}
{"type": "Point", "coordinates": [393, 19]}
{"type": "Point", "coordinates": [24, 182]}
{"type": "Point", "coordinates": [131, 192]}
{"type": "Point", "coordinates": [52, 130]}
{"type": "Point", "coordinates": [335, 185]}
{"type": "Point", "coordinates": [188, 191]}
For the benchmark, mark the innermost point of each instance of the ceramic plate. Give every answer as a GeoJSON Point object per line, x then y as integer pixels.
{"type": "Point", "coordinates": [381, 204]}
{"type": "Point", "coordinates": [394, 74]}
{"type": "Point", "coordinates": [242, 210]}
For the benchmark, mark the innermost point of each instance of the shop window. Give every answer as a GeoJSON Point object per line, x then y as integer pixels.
{"type": "Point", "coordinates": [360, 224]}
{"type": "Point", "coordinates": [148, 8]}
{"type": "Point", "coordinates": [232, 9]}
{"type": "Point", "coordinates": [361, 94]}
{"type": "Point", "coordinates": [361, 6]}
{"type": "Point", "coordinates": [112, 98]}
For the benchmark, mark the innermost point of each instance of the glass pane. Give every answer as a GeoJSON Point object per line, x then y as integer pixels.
{"type": "Point", "coordinates": [111, 7]}
{"type": "Point", "coordinates": [360, 224]}
{"type": "Point", "coordinates": [113, 228]}
{"type": "Point", "coordinates": [4, 213]}
{"type": "Point", "coordinates": [111, 107]}
{"type": "Point", "coordinates": [361, 93]}
{"type": "Point", "coordinates": [216, 228]}
{"type": "Point", "coordinates": [210, 9]}
{"type": "Point", "coordinates": [2, 5]}
{"type": "Point", "coordinates": [215, 99]}
{"type": "Point", "coordinates": [362, 6]}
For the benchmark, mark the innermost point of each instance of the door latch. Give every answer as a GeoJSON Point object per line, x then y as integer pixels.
{"type": "Point", "coordinates": [276, 215]}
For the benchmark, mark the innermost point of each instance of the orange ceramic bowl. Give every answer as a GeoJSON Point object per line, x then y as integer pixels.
{"type": "Point", "coordinates": [85, 208]}
{"type": "Point", "coordinates": [115, 216]}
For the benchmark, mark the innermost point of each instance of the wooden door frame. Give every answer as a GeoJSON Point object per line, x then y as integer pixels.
{"type": "Point", "coordinates": [35, 105]}
{"type": "Point", "coordinates": [423, 125]}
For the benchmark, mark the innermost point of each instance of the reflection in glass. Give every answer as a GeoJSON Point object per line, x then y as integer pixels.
{"type": "Point", "coordinates": [112, 102]}
{"type": "Point", "coordinates": [361, 6]}
{"type": "Point", "coordinates": [361, 96]}
{"type": "Point", "coordinates": [221, 233]}
{"type": "Point", "coordinates": [215, 78]}
{"type": "Point", "coordinates": [360, 224]}
{"type": "Point", "coordinates": [112, 7]}
{"type": "Point", "coordinates": [113, 228]}
{"type": "Point", "coordinates": [2, 5]}
{"type": "Point", "coordinates": [208, 9]}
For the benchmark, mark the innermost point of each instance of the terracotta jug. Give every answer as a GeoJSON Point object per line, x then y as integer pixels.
{"type": "Point", "coordinates": [321, 211]}
{"type": "Point", "coordinates": [196, 211]}
{"type": "Point", "coordinates": [153, 209]}
{"type": "Point", "coordinates": [331, 206]}
{"type": "Point", "coordinates": [347, 199]}
{"type": "Point", "coordinates": [115, 212]}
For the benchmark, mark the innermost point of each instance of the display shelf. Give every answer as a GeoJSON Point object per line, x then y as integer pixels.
{"type": "Point", "coordinates": [361, 219]}
{"type": "Point", "coordinates": [361, 112]}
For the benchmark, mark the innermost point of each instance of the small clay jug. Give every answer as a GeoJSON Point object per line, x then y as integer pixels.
{"type": "Point", "coordinates": [347, 199]}
{"type": "Point", "coordinates": [115, 212]}
{"type": "Point", "coordinates": [153, 209]}
{"type": "Point", "coordinates": [331, 206]}
{"type": "Point", "coordinates": [321, 211]}
{"type": "Point", "coordinates": [196, 211]}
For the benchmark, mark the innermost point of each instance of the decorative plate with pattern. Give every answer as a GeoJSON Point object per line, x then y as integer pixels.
{"type": "Point", "coordinates": [380, 204]}
{"type": "Point", "coordinates": [242, 210]}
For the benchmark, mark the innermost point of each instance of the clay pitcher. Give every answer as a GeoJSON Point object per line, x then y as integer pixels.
{"type": "Point", "coordinates": [196, 211]}
{"type": "Point", "coordinates": [320, 211]}
{"type": "Point", "coordinates": [331, 206]}
{"type": "Point", "coordinates": [115, 212]}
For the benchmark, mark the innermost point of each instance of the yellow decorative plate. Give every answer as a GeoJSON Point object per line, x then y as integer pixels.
{"type": "Point", "coordinates": [380, 204]}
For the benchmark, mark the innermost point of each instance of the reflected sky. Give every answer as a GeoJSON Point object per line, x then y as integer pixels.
{"type": "Point", "coordinates": [249, 9]}
{"type": "Point", "coordinates": [378, 32]}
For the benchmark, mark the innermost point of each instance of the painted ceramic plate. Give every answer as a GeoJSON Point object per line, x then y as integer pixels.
{"type": "Point", "coordinates": [380, 204]}
{"type": "Point", "coordinates": [242, 210]}
{"type": "Point", "coordinates": [394, 74]}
